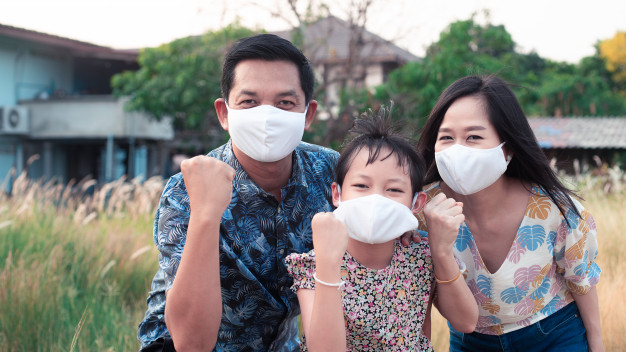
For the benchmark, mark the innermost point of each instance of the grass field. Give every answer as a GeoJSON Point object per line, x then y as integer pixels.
{"type": "Point", "coordinates": [76, 264]}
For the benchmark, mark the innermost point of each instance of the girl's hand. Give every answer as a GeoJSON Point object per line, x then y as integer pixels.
{"type": "Point", "coordinates": [444, 217]}
{"type": "Point", "coordinates": [330, 240]}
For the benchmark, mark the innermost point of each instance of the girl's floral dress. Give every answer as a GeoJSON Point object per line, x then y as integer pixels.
{"type": "Point", "coordinates": [384, 309]}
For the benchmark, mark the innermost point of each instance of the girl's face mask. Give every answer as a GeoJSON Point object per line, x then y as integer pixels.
{"type": "Point", "coordinates": [375, 219]}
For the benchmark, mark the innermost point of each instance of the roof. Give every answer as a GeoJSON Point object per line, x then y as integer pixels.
{"type": "Point", "coordinates": [580, 132]}
{"type": "Point", "coordinates": [328, 39]}
{"type": "Point", "coordinates": [76, 48]}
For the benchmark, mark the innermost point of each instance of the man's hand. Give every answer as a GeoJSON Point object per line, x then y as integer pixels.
{"type": "Point", "coordinates": [209, 184]}
{"type": "Point", "coordinates": [330, 240]}
{"type": "Point", "coordinates": [444, 217]}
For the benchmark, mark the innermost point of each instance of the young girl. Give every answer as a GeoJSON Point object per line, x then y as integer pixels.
{"type": "Point", "coordinates": [360, 289]}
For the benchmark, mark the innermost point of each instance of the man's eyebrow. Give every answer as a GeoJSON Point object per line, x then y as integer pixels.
{"type": "Point", "coordinates": [247, 92]}
{"type": "Point", "coordinates": [289, 93]}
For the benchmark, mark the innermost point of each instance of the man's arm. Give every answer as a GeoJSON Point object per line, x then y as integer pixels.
{"type": "Point", "coordinates": [193, 308]}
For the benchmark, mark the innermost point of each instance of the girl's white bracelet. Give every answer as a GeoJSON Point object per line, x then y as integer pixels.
{"type": "Point", "coordinates": [336, 284]}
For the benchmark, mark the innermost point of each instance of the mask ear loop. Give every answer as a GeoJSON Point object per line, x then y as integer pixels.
{"type": "Point", "coordinates": [414, 200]}
{"type": "Point", "coordinates": [339, 191]}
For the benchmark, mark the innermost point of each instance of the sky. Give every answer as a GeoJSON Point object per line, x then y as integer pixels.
{"type": "Point", "coordinates": [561, 30]}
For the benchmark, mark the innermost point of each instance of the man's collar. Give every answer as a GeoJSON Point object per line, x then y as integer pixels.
{"type": "Point", "coordinates": [246, 187]}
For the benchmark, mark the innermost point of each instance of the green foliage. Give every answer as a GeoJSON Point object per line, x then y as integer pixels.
{"type": "Point", "coordinates": [180, 79]}
{"type": "Point", "coordinates": [543, 87]}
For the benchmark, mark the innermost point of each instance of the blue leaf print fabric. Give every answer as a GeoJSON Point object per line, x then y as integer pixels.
{"type": "Point", "coordinates": [259, 311]}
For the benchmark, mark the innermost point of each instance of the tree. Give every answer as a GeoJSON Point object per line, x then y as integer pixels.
{"type": "Point", "coordinates": [180, 79]}
{"type": "Point", "coordinates": [464, 48]}
{"type": "Point", "coordinates": [614, 52]}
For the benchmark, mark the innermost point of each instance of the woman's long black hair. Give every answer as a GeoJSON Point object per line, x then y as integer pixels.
{"type": "Point", "coordinates": [529, 163]}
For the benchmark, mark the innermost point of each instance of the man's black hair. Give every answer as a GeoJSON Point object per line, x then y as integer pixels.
{"type": "Point", "coordinates": [267, 47]}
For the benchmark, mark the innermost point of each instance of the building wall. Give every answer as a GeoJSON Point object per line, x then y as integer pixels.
{"type": "Point", "coordinates": [30, 71]}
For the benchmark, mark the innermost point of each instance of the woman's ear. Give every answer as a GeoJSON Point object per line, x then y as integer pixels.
{"type": "Point", "coordinates": [508, 153]}
{"type": "Point", "coordinates": [336, 196]}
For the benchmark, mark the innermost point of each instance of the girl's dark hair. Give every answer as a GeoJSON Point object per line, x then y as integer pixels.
{"type": "Point", "coordinates": [529, 163]}
{"type": "Point", "coordinates": [375, 131]}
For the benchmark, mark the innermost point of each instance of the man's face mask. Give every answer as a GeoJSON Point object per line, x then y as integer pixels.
{"type": "Point", "coordinates": [266, 133]}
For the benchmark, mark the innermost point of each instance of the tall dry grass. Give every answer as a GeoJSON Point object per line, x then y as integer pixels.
{"type": "Point", "coordinates": [604, 193]}
{"type": "Point", "coordinates": [75, 264]}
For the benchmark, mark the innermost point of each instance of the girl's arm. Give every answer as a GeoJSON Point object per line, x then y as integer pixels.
{"type": "Point", "coordinates": [590, 313]}
{"type": "Point", "coordinates": [454, 299]}
{"type": "Point", "coordinates": [322, 309]}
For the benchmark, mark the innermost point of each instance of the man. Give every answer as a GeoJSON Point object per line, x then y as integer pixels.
{"type": "Point", "coordinates": [227, 221]}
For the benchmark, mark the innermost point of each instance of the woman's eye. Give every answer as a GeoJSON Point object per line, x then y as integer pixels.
{"type": "Point", "coordinates": [444, 138]}
{"type": "Point", "coordinates": [474, 137]}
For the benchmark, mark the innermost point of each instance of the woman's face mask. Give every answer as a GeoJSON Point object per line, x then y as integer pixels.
{"type": "Point", "coordinates": [469, 170]}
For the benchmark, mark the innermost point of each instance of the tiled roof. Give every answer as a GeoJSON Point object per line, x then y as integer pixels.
{"type": "Point", "coordinates": [75, 47]}
{"type": "Point", "coordinates": [328, 39]}
{"type": "Point", "coordinates": [580, 132]}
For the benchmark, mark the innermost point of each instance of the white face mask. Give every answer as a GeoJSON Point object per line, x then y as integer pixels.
{"type": "Point", "coordinates": [266, 133]}
{"type": "Point", "coordinates": [469, 170]}
{"type": "Point", "coordinates": [375, 219]}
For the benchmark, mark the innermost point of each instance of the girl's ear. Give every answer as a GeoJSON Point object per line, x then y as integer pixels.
{"type": "Point", "coordinates": [336, 195]}
{"type": "Point", "coordinates": [419, 202]}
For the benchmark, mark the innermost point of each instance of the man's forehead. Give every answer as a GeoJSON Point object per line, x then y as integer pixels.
{"type": "Point", "coordinates": [258, 74]}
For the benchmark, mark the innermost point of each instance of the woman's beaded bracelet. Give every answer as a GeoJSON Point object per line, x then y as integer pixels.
{"type": "Point", "coordinates": [445, 282]}
{"type": "Point", "coordinates": [337, 284]}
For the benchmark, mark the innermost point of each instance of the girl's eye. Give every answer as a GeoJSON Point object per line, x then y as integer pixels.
{"type": "Point", "coordinates": [359, 185]}
{"type": "Point", "coordinates": [395, 190]}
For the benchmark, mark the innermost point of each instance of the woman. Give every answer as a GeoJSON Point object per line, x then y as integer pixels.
{"type": "Point", "coordinates": [528, 245]}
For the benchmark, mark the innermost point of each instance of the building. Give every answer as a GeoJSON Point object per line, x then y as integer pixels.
{"type": "Point", "coordinates": [581, 139]}
{"type": "Point", "coordinates": [346, 55]}
{"type": "Point", "coordinates": [56, 109]}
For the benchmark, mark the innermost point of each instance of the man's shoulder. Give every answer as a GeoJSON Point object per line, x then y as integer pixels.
{"type": "Point", "coordinates": [317, 152]}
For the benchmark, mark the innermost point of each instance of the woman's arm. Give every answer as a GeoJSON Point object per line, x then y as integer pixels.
{"type": "Point", "coordinates": [590, 313]}
{"type": "Point", "coordinates": [454, 299]}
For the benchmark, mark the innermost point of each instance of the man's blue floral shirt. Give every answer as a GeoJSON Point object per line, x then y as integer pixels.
{"type": "Point", "coordinates": [257, 232]}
